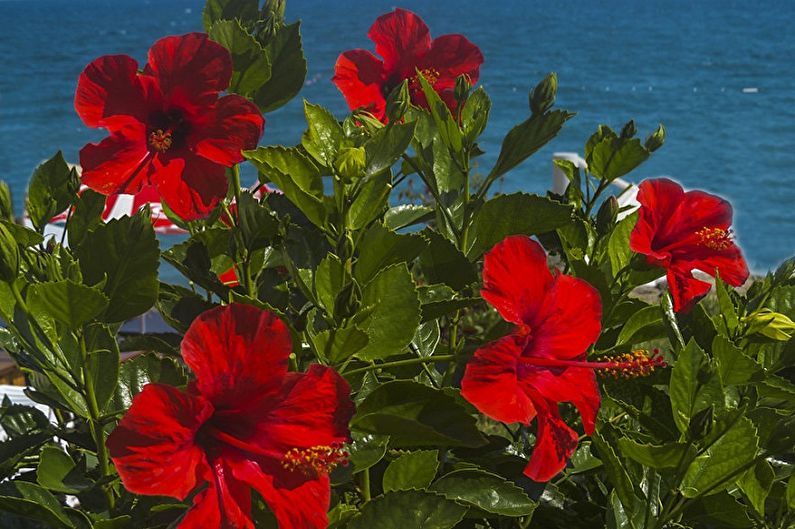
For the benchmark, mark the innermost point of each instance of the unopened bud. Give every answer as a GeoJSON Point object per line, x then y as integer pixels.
{"type": "Point", "coordinates": [9, 256]}
{"type": "Point", "coordinates": [463, 83]}
{"type": "Point", "coordinates": [542, 97]}
{"type": "Point", "coordinates": [773, 325]}
{"type": "Point", "coordinates": [398, 102]}
{"type": "Point", "coordinates": [655, 139]}
{"type": "Point", "coordinates": [349, 163]}
{"type": "Point", "coordinates": [629, 130]}
{"type": "Point", "coordinates": [6, 204]}
{"type": "Point", "coordinates": [607, 215]}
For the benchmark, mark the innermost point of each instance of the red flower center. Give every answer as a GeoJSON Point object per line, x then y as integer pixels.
{"type": "Point", "coordinates": [627, 365]}
{"type": "Point", "coordinates": [715, 238]}
{"type": "Point", "coordinates": [160, 140]}
{"type": "Point", "coordinates": [315, 461]}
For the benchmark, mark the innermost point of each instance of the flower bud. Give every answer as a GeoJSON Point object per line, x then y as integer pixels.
{"type": "Point", "coordinates": [463, 84]}
{"type": "Point", "coordinates": [350, 162]}
{"type": "Point", "coordinates": [398, 101]}
{"type": "Point", "coordinates": [773, 325]}
{"type": "Point", "coordinates": [629, 130]}
{"type": "Point", "coordinates": [542, 97]}
{"type": "Point", "coordinates": [9, 256]}
{"type": "Point", "coordinates": [6, 204]}
{"type": "Point", "coordinates": [606, 217]}
{"type": "Point", "coordinates": [656, 139]}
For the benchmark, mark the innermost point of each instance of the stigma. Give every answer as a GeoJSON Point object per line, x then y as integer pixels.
{"type": "Point", "coordinates": [160, 140]}
{"type": "Point", "coordinates": [715, 238]}
{"type": "Point", "coordinates": [315, 461]}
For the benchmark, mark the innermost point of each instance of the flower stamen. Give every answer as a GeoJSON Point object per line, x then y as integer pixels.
{"type": "Point", "coordinates": [715, 238]}
{"type": "Point", "coordinates": [627, 365]}
{"type": "Point", "coordinates": [160, 140]}
{"type": "Point", "coordinates": [315, 461]}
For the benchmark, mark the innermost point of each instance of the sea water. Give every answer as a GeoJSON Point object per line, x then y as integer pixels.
{"type": "Point", "coordinates": [719, 74]}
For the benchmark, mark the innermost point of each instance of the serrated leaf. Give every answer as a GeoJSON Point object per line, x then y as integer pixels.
{"type": "Point", "coordinates": [251, 64]}
{"type": "Point", "coordinates": [53, 187]}
{"type": "Point", "coordinates": [386, 146]}
{"type": "Point", "coordinates": [614, 157]}
{"type": "Point", "coordinates": [215, 10]}
{"type": "Point", "coordinates": [141, 370]}
{"type": "Point", "coordinates": [380, 248]}
{"type": "Point", "coordinates": [644, 325]}
{"type": "Point", "coordinates": [618, 249]}
{"type": "Point", "coordinates": [486, 491]}
{"type": "Point", "coordinates": [691, 388]}
{"type": "Point", "coordinates": [655, 456]}
{"type": "Point", "coordinates": [409, 509]}
{"type": "Point", "coordinates": [68, 302]}
{"type": "Point", "coordinates": [755, 484]}
{"type": "Point", "coordinates": [414, 470]}
{"type": "Point", "coordinates": [324, 134]}
{"type": "Point", "coordinates": [404, 215]}
{"type": "Point", "coordinates": [288, 68]}
{"type": "Point", "coordinates": [442, 262]}
{"type": "Point", "coordinates": [734, 366]}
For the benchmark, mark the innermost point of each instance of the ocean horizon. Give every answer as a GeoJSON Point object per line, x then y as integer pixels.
{"type": "Point", "coordinates": [719, 76]}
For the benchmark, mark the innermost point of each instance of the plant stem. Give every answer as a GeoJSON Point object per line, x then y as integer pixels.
{"type": "Point", "coordinates": [400, 363]}
{"type": "Point", "coordinates": [365, 486]}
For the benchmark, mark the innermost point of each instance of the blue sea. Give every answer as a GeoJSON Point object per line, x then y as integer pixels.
{"type": "Point", "coordinates": [719, 74]}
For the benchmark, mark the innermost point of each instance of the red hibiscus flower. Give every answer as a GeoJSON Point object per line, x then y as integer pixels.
{"type": "Point", "coordinates": [404, 42]}
{"type": "Point", "coordinates": [245, 422]}
{"type": "Point", "coordinates": [527, 373]}
{"type": "Point", "coordinates": [168, 127]}
{"type": "Point", "coordinates": [685, 231]}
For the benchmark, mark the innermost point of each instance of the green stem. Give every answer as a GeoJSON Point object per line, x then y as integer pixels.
{"type": "Point", "coordinates": [365, 486]}
{"type": "Point", "coordinates": [400, 363]}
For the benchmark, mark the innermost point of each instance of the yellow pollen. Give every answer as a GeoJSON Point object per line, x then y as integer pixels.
{"type": "Point", "coordinates": [632, 365]}
{"type": "Point", "coordinates": [160, 140]}
{"type": "Point", "coordinates": [315, 461]}
{"type": "Point", "coordinates": [715, 238]}
{"type": "Point", "coordinates": [430, 74]}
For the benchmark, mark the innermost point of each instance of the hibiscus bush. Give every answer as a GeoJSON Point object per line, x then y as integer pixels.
{"type": "Point", "coordinates": [337, 358]}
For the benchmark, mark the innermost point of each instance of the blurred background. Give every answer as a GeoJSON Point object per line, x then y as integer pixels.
{"type": "Point", "coordinates": [719, 74]}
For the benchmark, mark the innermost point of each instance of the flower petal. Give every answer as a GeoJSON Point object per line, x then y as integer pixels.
{"type": "Point", "coordinates": [297, 502]}
{"type": "Point", "coordinates": [191, 185]}
{"type": "Point", "coordinates": [555, 442]}
{"type": "Point", "coordinates": [569, 320]}
{"type": "Point", "coordinates": [119, 163]}
{"type": "Point", "coordinates": [154, 447]}
{"type": "Point", "coordinates": [226, 502]}
{"type": "Point", "coordinates": [685, 289]}
{"type": "Point", "coordinates": [359, 75]}
{"type": "Point", "coordinates": [238, 352]}
{"type": "Point", "coordinates": [515, 277]}
{"type": "Point", "coordinates": [110, 89]}
{"type": "Point", "coordinates": [451, 56]}
{"type": "Point", "coordinates": [729, 263]}
{"type": "Point", "coordinates": [573, 384]}
{"type": "Point", "coordinates": [190, 69]}
{"type": "Point", "coordinates": [234, 125]}
{"type": "Point", "coordinates": [400, 37]}
{"type": "Point", "coordinates": [659, 199]}
{"type": "Point", "coordinates": [491, 382]}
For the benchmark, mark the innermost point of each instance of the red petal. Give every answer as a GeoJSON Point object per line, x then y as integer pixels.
{"type": "Point", "coordinates": [297, 502]}
{"type": "Point", "coordinates": [313, 410]}
{"type": "Point", "coordinates": [555, 442]}
{"type": "Point", "coordinates": [192, 186]}
{"type": "Point", "coordinates": [659, 199]}
{"type": "Point", "coordinates": [359, 75]}
{"type": "Point", "coordinates": [515, 277]}
{"type": "Point", "coordinates": [226, 502]}
{"type": "Point", "coordinates": [154, 447]}
{"type": "Point", "coordinates": [451, 56]}
{"type": "Point", "coordinates": [235, 124]}
{"type": "Point", "coordinates": [574, 384]}
{"type": "Point", "coordinates": [491, 382]}
{"type": "Point", "coordinates": [400, 37]}
{"type": "Point", "coordinates": [569, 319]}
{"type": "Point", "coordinates": [190, 69]}
{"type": "Point", "coordinates": [109, 88]}
{"type": "Point", "coordinates": [238, 352]}
{"type": "Point", "coordinates": [119, 163]}
{"type": "Point", "coordinates": [685, 289]}
{"type": "Point", "coordinates": [729, 263]}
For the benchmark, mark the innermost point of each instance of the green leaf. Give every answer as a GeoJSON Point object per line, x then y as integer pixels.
{"type": "Point", "coordinates": [615, 468]}
{"type": "Point", "coordinates": [486, 491]}
{"type": "Point", "coordinates": [68, 302]}
{"type": "Point", "coordinates": [409, 509]}
{"type": "Point", "coordinates": [103, 362]}
{"type": "Point", "coordinates": [614, 157]}
{"type": "Point", "coordinates": [734, 366]}
{"type": "Point", "coordinates": [644, 325]}
{"type": "Point", "coordinates": [618, 249]}
{"type": "Point", "coordinates": [380, 248]}
{"type": "Point", "coordinates": [475, 114]}
{"type": "Point", "coordinates": [728, 314]}
{"type": "Point", "coordinates": [323, 136]}
{"type": "Point", "coordinates": [288, 68]}
{"type": "Point", "coordinates": [416, 415]}
{"type": "Point", "coordinates": [526, 138]}
{"type": "Point", "coordinates": [86, 216]}
{"type": "Point", "coordinates": [297, 177]}
{"type": "Point", "coordinates": [391, 313]}
{"type": "Point", "coordinates": [654, 456]}
{"type": "Point", "coordinates": [330, 278]}
{"type": "Point", "coordinates": [693, 387]}
{"type": "Point", "coordinates": [257, 224]}
{"type": "Point", "coordinates": [339, 344]}
{"type": "Point", "coordinates": [367, 450]}
{"type": "Point", "coordinates": [735, 446]}
{"type": "Point", "coordinates": [251, 64]}
{"type": "Point", "coordinates": [404, 215]}
{"type": "Point", "coordinates": [386, 146]}
{"type": "Point", "coordinates": [756, 483]}
{"type": "Point", "coordinates": [123, 256]}
{"type": "Point", "coordinates": [141, 370]}
{"type": "Point", "coordinates": [215, 10]}
{"type": "Point", "coordinates": [414, 470]}
{"type": "Point", "coordinates": [449, 131]}
{"type": "Point", "coordinates": [427, 338]}
{"type": "Point", "coordinates": [54, 472]}
{"type": "Point", "coordinates": [370, 202]}
{"type": "Point", "coordinates": [32, 501]}
{"type": "Point", "coordinates": [442, 262]}
{"type": "Point", "coordinates": [719, 510]}
{"type": "Point", "coordinates": [791, 492]}
{"type": "Point", "coordinates": [52, 189]}
{"type": "Point", "coordinates": [517, 213]}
